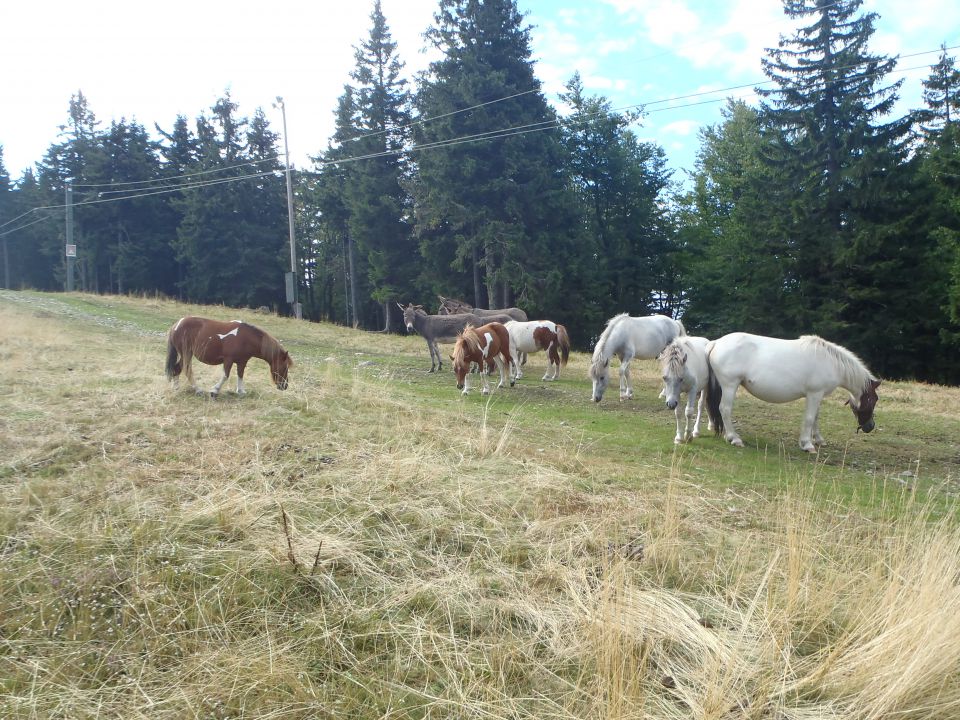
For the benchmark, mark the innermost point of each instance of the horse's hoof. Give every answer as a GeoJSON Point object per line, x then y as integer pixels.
{"type": "Point", "coordinates": [213, 395]}
{"type": "Point", "coordinates": [512, 383]}
{"type": "Point", "coordinates": [484, 392]}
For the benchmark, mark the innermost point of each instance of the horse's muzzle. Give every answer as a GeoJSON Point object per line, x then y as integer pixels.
{"type": "Point", "coordinates": [867, 426]}
{"type": "Point", "coordinates": [672, 404]}
{"type": "Point", "coordinates": [282, 385]}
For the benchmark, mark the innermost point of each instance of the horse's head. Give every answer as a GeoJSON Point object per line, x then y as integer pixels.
{"type": "Point", "coordinates": [461, 355]}
{"type": "Point", "coordinates": [673, 363]}
{"type": "Point", "coordinates": [600, 375]}
{"type": "Point", "coordinates": [863, 407]}
{"type": "Point", "coordinates": [409, 313]}
{"type": "Point", "coordinates": [279, 368]}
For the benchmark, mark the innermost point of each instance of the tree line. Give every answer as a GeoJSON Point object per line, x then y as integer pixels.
{"type": "Point", "coordinates": [813, 211]}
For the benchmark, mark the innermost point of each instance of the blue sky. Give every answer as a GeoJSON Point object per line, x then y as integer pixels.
{"type": "Point", "coordinates": [149, 62]}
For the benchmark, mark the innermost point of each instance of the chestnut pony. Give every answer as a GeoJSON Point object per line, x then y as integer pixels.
{"type": "Point", "coordinates": [481, 345]}
{"type": "Point", "coordinates": [231, 343]}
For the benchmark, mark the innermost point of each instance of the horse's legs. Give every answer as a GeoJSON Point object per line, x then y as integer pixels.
{"type": "Point", "coordinates": [215, 390]}
{"type": "Point", "coordinates": [241, 366]}
{"type": "Point", "coordinates": [188, 371]}
{"type": "Point", "coordinates": [485, 382]}
{"type": "Point", "coordinates": [700, 395]}
{"type": "Point", "coordinates": [553, 357]}
{"type": "Point", "coordinates": [499, 361]}
{"type": "Point", "coordinates": [726, 412]}
{"type": "Point", "coordinates": [626, 389]}
{"type": "Point", "coordinates": [678, 438]}
{"type": "Point", "coordinates": [691, 412]}
{"type": "Point", "coordinates": [810, 412]}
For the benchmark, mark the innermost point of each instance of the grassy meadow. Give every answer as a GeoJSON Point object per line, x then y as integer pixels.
{"type": "Point", "coordinates": [369, 544]}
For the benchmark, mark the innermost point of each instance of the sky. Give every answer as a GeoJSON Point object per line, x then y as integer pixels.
{"type": "Point", "coordinates": [148, 62]}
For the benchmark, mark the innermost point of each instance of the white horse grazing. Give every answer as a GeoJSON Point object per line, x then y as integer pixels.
{"type": "Point", "coordinates": [685, 370]}
{"type": "Point", "coordinates": [531, 336]}
{"type": "Point", "coordinates": [779, 371]}
{"type": "Point", "coordinates": [629, 337]}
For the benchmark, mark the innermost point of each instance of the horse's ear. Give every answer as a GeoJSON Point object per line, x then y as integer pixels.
{"type": "Point", "coordinates": [289, 359]}
{"type": "Point", "coordinates": [684, 357]}
{"type": "Point", "coordinates": [400, 306]}
{"type": "Point", "coordinates": [847, 401]}
{"type": "Point", "coordinates": [875, 384]}
{"type": "Point", "coordinates": [451, 358]}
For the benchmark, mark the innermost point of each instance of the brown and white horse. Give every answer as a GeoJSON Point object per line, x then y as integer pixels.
{"type": "Point", "coordinates": [529, 337]}
{"type": "Point", "coordinates": [481, 345]}
{"type": "Point", "coordinates": [231, 343]}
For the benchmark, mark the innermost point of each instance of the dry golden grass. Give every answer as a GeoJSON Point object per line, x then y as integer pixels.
{"type": "Point", "coordinates": [440, 557]}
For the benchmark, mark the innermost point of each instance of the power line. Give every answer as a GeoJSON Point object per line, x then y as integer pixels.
{"type": "Point", "coordinates": [477, 137]}
{"type": "Point", "coordinates": [176, 177]}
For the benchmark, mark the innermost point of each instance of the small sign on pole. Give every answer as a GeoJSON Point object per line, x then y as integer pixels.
{"type": "Point", "coordinates": [71, 250]}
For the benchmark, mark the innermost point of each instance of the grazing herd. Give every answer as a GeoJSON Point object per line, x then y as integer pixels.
{"type": "Point", "coordinates": [708, 372]}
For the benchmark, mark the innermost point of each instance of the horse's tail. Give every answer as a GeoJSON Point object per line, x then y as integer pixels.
{"type": "Point", "coordinates": [174, 365]}
{"type": "Point", "coordinates": [714, 393]}
{"type": "Point", "coordinates": [564, 340]}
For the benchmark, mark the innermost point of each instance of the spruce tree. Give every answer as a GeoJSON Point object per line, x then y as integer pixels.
{"type": "Point", "coordinates": [494, 214]}
{"type": "Point", "coordinates": [839, 153]}
{"type": "Point", "coordinates": [620, 182]}
{"type": "Point", "coordinates": [941, 93]}
{"type": "Point", "coordinates": [374, 128]}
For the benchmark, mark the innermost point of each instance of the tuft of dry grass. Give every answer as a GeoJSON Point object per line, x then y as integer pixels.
{"type": "Point", "coordinates": [368, 544]}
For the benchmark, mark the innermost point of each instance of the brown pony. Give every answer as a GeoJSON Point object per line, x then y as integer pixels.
{"type": "Point", "coordinates": [481, 345]}
{"type": "Point", "coordinates": [214, 342]}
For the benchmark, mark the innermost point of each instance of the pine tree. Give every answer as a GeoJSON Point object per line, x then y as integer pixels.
{"type": "Point", "coordinates": [232, 236]}
{"type": "Point", "coordinates": [620, 181]}
{"type": "Point", "coordinates": [6, 214]}
{"type": "Point", "coordinates": [738, 267]}
{"type": "Point", "coordinates": [494, 214]}
{"type": "Point", "coordinates": [373, 124]}
{"type": "Point", "coordinates": [941, 93]}
{"type": "Point", "coordinates": [841, 162]}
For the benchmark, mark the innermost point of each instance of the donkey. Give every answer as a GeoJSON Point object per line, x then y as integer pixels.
{"type": "Point", "coordinates": [442, 328]}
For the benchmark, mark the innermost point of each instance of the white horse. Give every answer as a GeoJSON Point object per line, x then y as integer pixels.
{"type": "Point", "coordinates": [629, 337]}
{"type": "Point", "coordinates": [531, 336]}
{"type": "Point", "coordinates": [685, 370]}
{"type": "Point", "coordinates": [779, 371]}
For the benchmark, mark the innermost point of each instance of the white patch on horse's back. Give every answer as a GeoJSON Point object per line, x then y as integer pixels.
{"type": "Point", "coordinates": [226, 335]}
{"type": "Point", "coordinates": [178, 323]}
{"type": "Point", "coordinates": [489, 338]}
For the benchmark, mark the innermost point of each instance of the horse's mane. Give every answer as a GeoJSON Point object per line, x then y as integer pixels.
{"type": "Point", "coordinates": [673, 359]}
{"type": "Point", "coordinates": [270, 347]}
{"type": "Point", "coordinates": [466, 340]}
{"type": "Point", "coordinates": [851, 367]}
{"type": "Point", "coordinates": [604, 337]}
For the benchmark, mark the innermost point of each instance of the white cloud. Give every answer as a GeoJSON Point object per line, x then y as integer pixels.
{"type": "Point", "coordinates": [680, 127]}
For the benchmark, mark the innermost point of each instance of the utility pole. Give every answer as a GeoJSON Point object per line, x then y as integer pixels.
{"type": "Point", "coordinates": [292, 287]}
{"type": "Point", "coordinates": [71, 248]}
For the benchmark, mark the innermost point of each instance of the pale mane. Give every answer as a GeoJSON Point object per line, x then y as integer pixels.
{"type": "Point", "coordinates": [851, 368]}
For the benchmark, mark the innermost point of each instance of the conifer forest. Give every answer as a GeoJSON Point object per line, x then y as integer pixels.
{"type": "Point", "coordinates": [815, 210]}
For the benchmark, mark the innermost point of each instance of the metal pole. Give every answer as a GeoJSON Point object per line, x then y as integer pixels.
{"type": "Point", "coordinates": [71, 247]}
{"type": "Point", "coordinates": [297, 311]}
